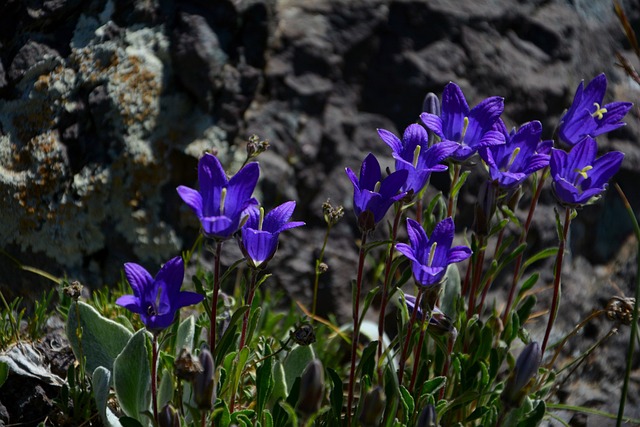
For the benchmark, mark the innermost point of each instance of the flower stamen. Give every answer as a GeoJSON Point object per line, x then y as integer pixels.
{"type": "Point", "coordinates": [513, 157]}
{"type": "Point", "coordinates": [432, 253]}
{"type": "Point", "coordinates": [223, 196]}
{"type": "Point", "coordinates": [261, 219]}
{"type": "Point", "coordinates": [583, 172]}
{"type": "Point", "coordinates": [600, 111]}
{"type": "Point", "coordinates": [416, 154]}
{"type": "Point", "coordinates": [465, 125]}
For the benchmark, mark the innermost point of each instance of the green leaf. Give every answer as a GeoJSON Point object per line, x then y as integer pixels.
{"type": "Point", "coordinates": [367, 363]}
{"type": "Point", "coordinates": [533, 418]}
{"type": "Point", "coordinates": [461, 180]}
{"type": "Point", "coordinates": [407, 401]}
{"type": "Point", "coordinates": [228, 338]}
{"type": "Point", "coordinates": [545, 253]}
{"type": "Point", "coordinates": [129, 422]}
{"type": "Point", "coordinates": [165, 390]}
{"type": "Point", "coordinates": [100, 383]}
{"type": "Point", "coordinates": [132, 377]}
{"type": "Point", "coordinates": [296, 361]}
{"type": "Point", "coordinates": [524, 311]}
{"type": "Point", "coordinates": [452, 290]}
{"type": "Point", "coordinates": [433, 385]}
{"type": "Point", "coordinates": [528, 284]}
{"type": "Point", "coordinates": [101, 340]}
{"type": "Point", "coordinates": [336, 396]}
{"type": "Point", "coordinates": [185, 335]}
{"type": "Point", "coordinates": [264, 382]}
{"type": "Point", "coordinates": [367, 302]}
{"type": "Point", "coordinates": [279, 382]}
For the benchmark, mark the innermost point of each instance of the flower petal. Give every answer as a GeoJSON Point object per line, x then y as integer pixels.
{"type": "Point", "coordinates": [131, 303]}
{"type": "Point", "coordinates": [278, 217]}
{"type": "Point", "coordinates": [212, 180]}
{"type": "Point", "coordinates": [192, 198]}
{"type": "Point", "coordinates": [240, 189]}
{"type": "Point", "coordinates": [185, 298]}
{"type": "Point", "coordinates": [454, 110]}
{"type": "Point", "coordinates": [391, 140]}
{"type": "Point", "coordinates": [603, 169]}
{"type": "Point", "coordinates": [138, 278]}
{"type": "Point", "coordinates": [433, 123]}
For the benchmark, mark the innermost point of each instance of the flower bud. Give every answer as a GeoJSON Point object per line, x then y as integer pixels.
{"type": "Point", "coordinates": [373, 407]}
{"type": "Point", "coordinates": [311, 388]}
{"type": "Point", "coordinates": [428, 417]}
{"type": "Point", "coordinates": [431, 104]}
{"type": "Point", "coordinates": [304, 334]}
{"type": "Point", "coordinates": [204, 387]}
{"type": "Point", "coordinates": [168, 417]}
{"type": "Point", "coordinates": [519, 380]}
{"type": "Point", "coordinates": [485, 208]}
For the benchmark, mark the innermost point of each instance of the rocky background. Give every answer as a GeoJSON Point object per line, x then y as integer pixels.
{"type": "Point", "coordinates": [106, 105]}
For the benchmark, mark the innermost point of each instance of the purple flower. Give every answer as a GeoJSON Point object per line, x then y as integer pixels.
{"type": "Point", "coordinates": [431, 257]}
{"type": "Point", "coordinates": [587, 116]}
{"type": "Point", "coordinates": [157, 299]}
{"type": "Point", "coordinates": [221, 203]}
{"type": "Point", "coordinates": [578, 176]}
{"type": "Point", "coordinates": [522, 154]}
{"type": "Point", "coordinates": [414, 155]}
{"type": "Point", "coordinates": [471, 129]}
{"type": "Point", "coordinates": [438, 321]}
{"type": "Point", "coordinates": [373, 194]}
{"type": "Point", "coordinates": [260, 233]}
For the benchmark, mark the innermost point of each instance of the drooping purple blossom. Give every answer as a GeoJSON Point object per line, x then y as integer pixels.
{"type": "Point", "coordinates": [578, 176]}
{"type": "Point", "coordinates": [430, 257]}
{"type": "Point", "coordinates": [438, 321]}
{"type": "Point", "coordinates": [522, 154]}
{"type": "Point", "coordinates": [471, 129]}
{"type": "Point", "coordinates": [414, 155]}
{"type": "Point", "coordinates": [587, 116]}
{"type": "Point", "coordinates": [157, 299]}
{"type": "Point", "coordinates": [373, 195]}
{"type": "Point", "coordinates": [221, 202]}
{"type": "Point", "coordinates": [260, 233]}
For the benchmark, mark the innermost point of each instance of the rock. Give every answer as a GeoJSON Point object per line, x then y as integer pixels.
{"type": "Point", "coordinates": [27, 57]}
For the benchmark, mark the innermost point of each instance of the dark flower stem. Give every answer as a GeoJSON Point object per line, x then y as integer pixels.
{"type": "Point", "coordinates": [418, 351]}
{"type": "Point", "coordinates": [245, 319]}
{"type": "Point", "coordinates": [489, 280]}
{"type": "Point", "coordinates": [523, 238]}
{"type": "Point", "coordinates": [451, 203]}
{"type": "Point", "coordinates": [384, 299]}
{"type": "Point", "coordinates": [556, 281]}
{"type": "Point", "coordinates": [356, 325]}
{"type": "Point", "coordinates": [214, 300]}
{"type": "Point", "coordinates": [407, 338]}
{"type": "Point", "coordinates": [154, 376]}
{"type": "Point", "coordinates": [476, 275]}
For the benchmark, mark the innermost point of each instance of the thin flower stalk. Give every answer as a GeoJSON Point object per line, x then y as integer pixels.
{"type": "Point", "coordinates": [418, 350]}
{"type": "Point", "coordinates": [557, 282]}
{"type": "Point", "coordinates": [523, 238]}
{"type": "Point", "coordinates": [356, 324]}
{"type": "Point", "coordinates": [489, 280]}
{"type": "Point", "coordinates": [249, 300]}
{"type": "Point", "coordinates": [634, 322]}
{"type": "Point", "coordinates": [452, 199]}
{"type": "Point", "coordinates": [407, 339]}
{"type": "Point", "coordinates": [214, 298]}
{"type": "Point", "coordinates": [384, 299]}
{"type": "Point", "coordinates": [476, 275]}
{"type": "Point", "coordinates": [316, 279]}
{"type": "Point", "coordinates": [154, 376]}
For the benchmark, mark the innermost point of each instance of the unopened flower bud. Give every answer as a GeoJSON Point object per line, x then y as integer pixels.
{"type": "Point", "coordinates": [311, 388]}
{"type": "Point", "coordinates": [304, 334]}
{"type": "Point", "coordinates": [485, 208]}
{"type": "Point", "coordinates": [204, 387]}
{"type": "Point", "coordinates": [519, 380]}
{"type": "Point", "coordinates": [373, 407]}
{"type": "Point", "coordinates": [168, 417]}
{"type": "Point", "coordinates": [431, 104]}
{"type": "Point", "coordinates": [428, 417]}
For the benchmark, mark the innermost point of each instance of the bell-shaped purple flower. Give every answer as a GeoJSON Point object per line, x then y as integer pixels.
{"type": "Point", "coordinates": [587, 116]}
{"type": "Point", "coordinates": [471, 129]}
{"type": "Point", "coordinates": [260, 233]}
{"type": "Point", "coordinates": [522, 154]}
{"type": "Point", "coordinates": [157, 299]}
{"type": "Point", "coordinates": [430, 257]}
{"type": "Point", "coordinates": [414, 155]}
{"type": "Point", "coordinates": [221, 202]}
{"type": "Point", "coordinates": [578, 176]}
{"type": "Point", "coordinates": [372, 195]}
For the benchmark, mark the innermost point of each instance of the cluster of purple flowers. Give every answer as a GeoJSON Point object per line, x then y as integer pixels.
{"type": "Point", "coordinates": [509, 156]}
{"type": "Point", "coordinates": [225, 207]}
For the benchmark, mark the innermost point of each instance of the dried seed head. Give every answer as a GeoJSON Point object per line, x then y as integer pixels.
{"type": "Point", "coordinates": [620, 309]}
{"type": "Point", "coordinates": [186, 366]}
{"type": "Point", "coordinates": [332, 214]}
{"type": "Point", "coordinates": [304, 334]}
{"type": "Point", "coordinates": [73, 290]}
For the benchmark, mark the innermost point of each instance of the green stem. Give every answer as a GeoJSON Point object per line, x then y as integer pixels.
{"type": "Point", "coordinates": [477, 274]}
{"type": "Point", "coordinates": [634, 323]}
{"type": "Point", "coordinates": [356, 325]}
{"type": "Point", "coordinates": [154, 375]}
{"type": "Point", "coordinates": [407, 339]}
{"type": "Point", "coordinates": [418, 351]}
{"type": "Point", "coordinates": [316, 280]}
{"type": "Point", "coordinates": [384, 299]}
{"type": "Point", "coordinates": [214, 300]}
{"type": "Point", "coordinates": [452, 199]}
{"type": "Point", "coordinates": [557, 281]}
